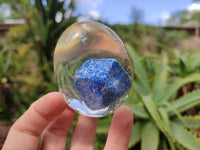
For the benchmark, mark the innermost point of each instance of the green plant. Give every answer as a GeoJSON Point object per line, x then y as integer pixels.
{"type": "Point", "coordinates": [158, 110]}
{"type": "Point", "coordinates": [170, 37]}
{"type": "Point", "coordinates": [45, 29]}
{"type": "Point", "coordinates": [45, 20]}
{"type": "Point", "coordinates": [5, 86]}
{"type": "Point", "coordinates": [21, 81]}
{"type": "Point", "coordinates": [5, 57]}
{"type": "Point", "coordinates": [184, 63]}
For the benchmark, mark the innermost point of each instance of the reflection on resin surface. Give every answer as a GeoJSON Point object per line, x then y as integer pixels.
{"type": "Point", "coordinates": [92, 69]}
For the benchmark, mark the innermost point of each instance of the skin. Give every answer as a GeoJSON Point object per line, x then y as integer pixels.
{"type": "Point", "coordinates": [51, 118]}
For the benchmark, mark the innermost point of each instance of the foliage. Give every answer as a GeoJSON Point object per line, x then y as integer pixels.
{"type": "Point", "coordinates": [132, 34]}
{"type": "Point", "coordinates": [13, 64]}
{"type": "Point", "coordinates": [45, 30]}
{"type": "Point", "coordinates": [170, 38]}
{"type": "Point", "coordinates": [157, 105]}
{"type": "Point", "coordinates": [182, 17]}
{"type": "Point", "coordinates": [164, 88]}
{"type": "Point", "coordinates": [26, 56]}
{"type": "Point", "coordinates": [5, 58]}
{"type": "Point", "coordinates": [19, 74]}
{"type": "Point", "coordinates": [48, 29]}
{"type": "Point", "coordinates": [184, 63]}
{"type": "Point", "coordinates": [13, 9]}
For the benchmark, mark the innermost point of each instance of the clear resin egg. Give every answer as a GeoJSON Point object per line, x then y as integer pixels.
{"type": "Point", "coordinates": [92, 68]}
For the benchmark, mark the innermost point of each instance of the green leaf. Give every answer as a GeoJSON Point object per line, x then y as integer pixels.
{"type": "Point", "coordinates": [139, 111]}
{"type": "Point", "coordinates": [133, 98]}
{"type": "Point", "coordinates": [135, 134]}
{"type": "Point", "coordinates": [150, 137]}
{"type": "Point", "coordinates": [164, 116]}
{"type": "Point", "coordinates": [52, 7]}
{"type": "Point", "coordinates": [183, 67]}
{"type": "Point", "coordinates": [103, 125]}
{"type": "Point", "coordinates": [41, 10]}
{"type": "Point", "coordinates": [191, 122]}
{"type": "Point", "coordinates": [184, 138]}
{"type": "Point", "coordinates": [177, 85]}
{"type": "Point", "coordinates": [160, 79]}
{"type": "Point", "coordinates": [185, 102]}
{"type": "Point", "coordinates": [154, 113]}
{"type": "Point", "coordinates": [175, 111]}
{"type": "Point", "coordinates": [139, 70]}
{"type": "Point", "coordinates": [194, 60]}
{"type": "Point", "coordinates": [62, 26]}
{"type": "Point", "coordinates": [7, 63]}
{"type": "Point", "coordinates": [38, 20]}
{"type": "Point", "coordinates": [138, 87]}
{"type": "Point", "coordinates": [163, 144]}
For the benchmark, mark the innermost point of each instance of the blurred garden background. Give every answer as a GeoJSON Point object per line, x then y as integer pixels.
{"type": "Point", "coordinates": [165, 96]}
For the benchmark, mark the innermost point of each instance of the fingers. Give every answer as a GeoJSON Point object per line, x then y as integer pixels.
{"type": "Point", "coordinates": [84, 134]}
{"type": "Point", "coordinates": [24, 133]}
{"type": "Point", "coordinates": [120, 129]}
{"type": "Point", "coordinates": [54, 136]}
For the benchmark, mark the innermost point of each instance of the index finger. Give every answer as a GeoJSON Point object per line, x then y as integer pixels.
{"type": "Point", "coordinates": [25, 132]}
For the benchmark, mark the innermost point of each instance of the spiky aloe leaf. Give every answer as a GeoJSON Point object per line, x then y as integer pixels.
{"type": "Point", "coordinates": [139, 71]}
{"type": "Point", "coordinates": [164, 116]}
{"type": "Point", "coordinates": [135, 134]}
{"type": "Point", "coordinates": [177, 85]}
{"type": "Point", "coordinates": [184, 103]}
{"type": "Point", "coordinates": [183, 137]}
{"type": "Point", "coordinates": [138, 87]}
{"type": "Point", "coordinates": [191, 122]}
{"type": "Point", "coordinates": [154, 113]}
{"type": "Point", "coordinates": [150, 137]}
{"type": "Point", "coordinates": [133, 98]}
{"type": "Point", "coordinates": [139, 111]}
{"type": "Point", "coordinates": [194, 60]}
{"type": "Point", "coordinates": [160, 79]}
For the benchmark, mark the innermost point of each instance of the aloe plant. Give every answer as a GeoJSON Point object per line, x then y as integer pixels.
{"type": "Point", "coordinates": [157, 109]}
{"type": "Point", "coordinates": [183, 63]}
{"type": "Point", "coordinates": [159, 123]}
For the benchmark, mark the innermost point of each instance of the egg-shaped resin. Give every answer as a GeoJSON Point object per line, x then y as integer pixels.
{"type": "Point", "coordinates": [92, 68]}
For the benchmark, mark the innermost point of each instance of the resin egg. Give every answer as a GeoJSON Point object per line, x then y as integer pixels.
{"type": "Point", "coordinates": [92, 68]}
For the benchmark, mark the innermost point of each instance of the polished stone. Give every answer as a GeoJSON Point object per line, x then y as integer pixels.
{"type": "Point", "coordinates": [101, 82]}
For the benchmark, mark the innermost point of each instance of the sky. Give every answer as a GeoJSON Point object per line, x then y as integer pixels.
{"type": "Point", "coordinates": [155, 12]}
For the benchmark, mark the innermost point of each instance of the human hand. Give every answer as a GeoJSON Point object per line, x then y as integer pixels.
{"type": "Point", "coordinates": [52, 118]}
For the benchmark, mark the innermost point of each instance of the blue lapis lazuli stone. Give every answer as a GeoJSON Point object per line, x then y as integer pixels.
{"type": "Point", "coordinates": [101, 82]}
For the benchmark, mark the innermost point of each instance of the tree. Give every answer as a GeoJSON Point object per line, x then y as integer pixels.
{"type": "Point", "coordinates": [137, 29]}
{"type": "Point", "coordinates": [182, 17]}
{"type": "Point", "coordinates": [136, 17]}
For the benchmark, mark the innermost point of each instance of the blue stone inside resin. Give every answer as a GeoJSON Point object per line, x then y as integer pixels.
{"type": "Point", "coordinates": [101, 82]}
